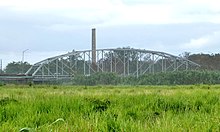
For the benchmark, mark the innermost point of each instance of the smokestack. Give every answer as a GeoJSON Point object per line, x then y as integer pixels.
{"type": "Point", "coordinates": [94, 48]}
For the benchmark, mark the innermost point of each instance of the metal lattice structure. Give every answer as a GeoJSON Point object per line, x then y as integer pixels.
{"type": "Point", "coordinates": [123, 61]}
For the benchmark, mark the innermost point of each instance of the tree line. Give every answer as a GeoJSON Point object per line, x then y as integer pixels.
{"type": "Point", "coordinates": [16, 68]}
{"type": "Point", "coordinates": [207, 61]}
{"type": "Point", "coordinates": [168, 78]}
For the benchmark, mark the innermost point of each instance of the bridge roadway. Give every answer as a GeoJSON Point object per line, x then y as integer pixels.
{"type": "Point", "coordinates": [16, 78]}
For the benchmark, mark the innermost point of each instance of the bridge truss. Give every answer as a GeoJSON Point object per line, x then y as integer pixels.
{"type": "Point", "coordinates": [122, 61]}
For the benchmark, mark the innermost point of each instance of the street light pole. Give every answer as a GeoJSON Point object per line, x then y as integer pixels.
{"type": "Point", "coordinates": [22, 61]}
{"type": "Point", "coordinates": [1, 66]}
{"type": "Point", "coordinates": [23, 55]}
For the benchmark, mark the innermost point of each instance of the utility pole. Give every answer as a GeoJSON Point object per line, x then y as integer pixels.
{"type": "Point", "coordinates": [1, 66]}
{"type": "Point", "coordinates": [22, 61]}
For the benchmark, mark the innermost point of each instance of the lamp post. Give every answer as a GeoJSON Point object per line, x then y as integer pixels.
{"type": "Point", "coordinates": [1, 66]}
{"type": "Point", "coordinates": [22, 61]}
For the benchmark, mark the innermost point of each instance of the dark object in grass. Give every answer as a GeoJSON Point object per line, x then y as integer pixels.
{"type": "Point", "coordinates": [7, 100]}
{"type": "Point", "coordinates": [99, 105]}
{"type": "Point", "coordinates": [156, 113]}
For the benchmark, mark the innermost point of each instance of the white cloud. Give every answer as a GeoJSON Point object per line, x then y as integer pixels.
{"type": "Point", "coordinates": [142, 14]}
{"type": "Point", "coordinates": [117, 12]}
{"type": "Point", "coordinates": [205, 42]}
{"type": "Point", "coordinates": [193, 11]}
{"type": "Point", "coordinates": [197, 43]}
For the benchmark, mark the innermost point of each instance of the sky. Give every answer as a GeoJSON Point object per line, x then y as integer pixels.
{"type": "Point", "coordinates": [52, 27]}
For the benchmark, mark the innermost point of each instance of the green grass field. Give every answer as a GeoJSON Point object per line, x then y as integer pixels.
{"type": "Point", "coordinates": [109, 108]}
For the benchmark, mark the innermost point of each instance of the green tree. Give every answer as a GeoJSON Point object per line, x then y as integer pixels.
{"type": "Point", "coordinates": [17, 67]}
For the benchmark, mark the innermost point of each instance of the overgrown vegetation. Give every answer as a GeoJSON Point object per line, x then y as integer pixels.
{"type": "Point", "coordinates": [108, 108]}
{"type": "Point", "coordinates": [168, 78]}
{"type": "Point", "coordinates": [97, 79]}
{"type": "Point", "coordinates": [207, 61]}
{"type": "Point", "coordinates": [181, 78]}
{"type": "Point", "coordinates": [17, 67]}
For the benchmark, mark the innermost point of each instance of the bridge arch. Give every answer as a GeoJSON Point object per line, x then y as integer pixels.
{"type": "Point", "coordinates": [122, 61]}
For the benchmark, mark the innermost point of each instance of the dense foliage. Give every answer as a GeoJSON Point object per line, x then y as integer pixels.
{"type": "Point", "coordinates": [97, 79]}
{"type": "Point", "coordinates": [17, 67]}
{"type": "Point", "coordinates": [207, 61]}
{"type": "Point", "coordinates": [168, 78]}
{"type": "Point", "coordinates": [180, 78]}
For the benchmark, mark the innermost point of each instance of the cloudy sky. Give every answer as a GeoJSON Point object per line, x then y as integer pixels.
{"type": "Point", "coordinates": [52, 27]}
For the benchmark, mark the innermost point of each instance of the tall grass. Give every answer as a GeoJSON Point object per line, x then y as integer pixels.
{"type": "Point", "coordinates": [110, 108]}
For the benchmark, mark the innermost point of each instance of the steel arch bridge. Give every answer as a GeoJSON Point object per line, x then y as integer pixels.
{"type": "Point", "coordinates": [122, 61]}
